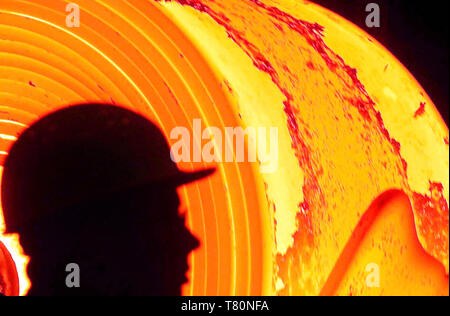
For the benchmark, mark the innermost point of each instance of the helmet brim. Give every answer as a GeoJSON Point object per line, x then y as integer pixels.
{"type": "Point", "coordinates": [184, 177]}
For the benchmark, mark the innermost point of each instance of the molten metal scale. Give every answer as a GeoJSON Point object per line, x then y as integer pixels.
{"type": "Point", "coordinates": [246, 49]}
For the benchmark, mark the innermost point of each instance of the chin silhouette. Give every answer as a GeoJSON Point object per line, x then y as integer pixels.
{"type": "Point", "coordinates": [93, 185]}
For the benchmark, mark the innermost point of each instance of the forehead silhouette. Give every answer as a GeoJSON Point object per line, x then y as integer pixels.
{"type": "Point", "coordinates": [82, 152]}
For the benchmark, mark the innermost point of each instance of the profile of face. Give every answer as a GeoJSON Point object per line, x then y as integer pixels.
{"type": "Point", "coordinates": [101, 195]}
{"type": "Point", "coordinates": [139, 248]}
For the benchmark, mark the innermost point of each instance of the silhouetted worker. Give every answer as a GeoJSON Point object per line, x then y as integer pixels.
{"type": "Point", "coordinates": [94, 185]}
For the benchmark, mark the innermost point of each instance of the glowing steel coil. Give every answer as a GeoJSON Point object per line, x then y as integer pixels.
{"type": "Point", "coordinates": [345, 135]}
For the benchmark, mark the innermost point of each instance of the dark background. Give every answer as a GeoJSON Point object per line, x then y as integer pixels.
{"type": "Point", "coordinates": [416, 32]}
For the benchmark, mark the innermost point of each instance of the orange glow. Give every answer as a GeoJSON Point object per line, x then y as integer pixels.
{"type": "Point", "coordinates": [379, 238]}
{"type": "Point", "coordinates": [11, 244]}
{"type": "Point", "coordinates": [9, 281]}
{"type": "Point", "coordinates": [346, 110]}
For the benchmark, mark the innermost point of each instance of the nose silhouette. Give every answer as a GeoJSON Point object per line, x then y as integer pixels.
{"type": "Point", "coordinates": [101, 193]}
{"type": "Point", "coordinates": [194, 242]}
{"type": "Point", "coordinates": [191, 242]}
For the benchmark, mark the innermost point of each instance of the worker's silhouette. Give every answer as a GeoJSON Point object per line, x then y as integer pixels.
{"type": "Point", "coordinates": [94, 185]}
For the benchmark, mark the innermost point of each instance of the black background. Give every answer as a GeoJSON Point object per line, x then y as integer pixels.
{"type": "Point", "coordinates": [416, 32]}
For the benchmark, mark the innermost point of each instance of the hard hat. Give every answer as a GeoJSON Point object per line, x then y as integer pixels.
{"type": "Point", "coordinates": [80, 153]}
